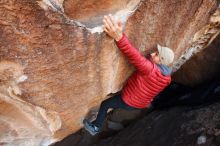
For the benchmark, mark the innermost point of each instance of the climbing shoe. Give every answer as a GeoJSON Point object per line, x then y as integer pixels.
{"type": "Point", "coordinates": [91, 128]}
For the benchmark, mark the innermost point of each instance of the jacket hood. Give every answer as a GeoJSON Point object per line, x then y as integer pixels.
{"type": "Point", "coordinates": [165, 70]}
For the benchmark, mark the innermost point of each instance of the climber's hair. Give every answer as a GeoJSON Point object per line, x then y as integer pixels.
{"type": "Point", "coordinates": [147, 52]}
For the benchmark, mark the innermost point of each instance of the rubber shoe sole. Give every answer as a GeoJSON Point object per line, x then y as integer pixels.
{"type": "Point", "coordinates": [89, 128]}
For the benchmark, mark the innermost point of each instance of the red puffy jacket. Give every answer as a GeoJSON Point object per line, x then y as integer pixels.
{"type": "Point", "coordinates": [146, 82]}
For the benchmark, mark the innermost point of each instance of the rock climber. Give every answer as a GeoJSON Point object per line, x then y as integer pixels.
{"type": "Point", "coordinates": [152, 75]}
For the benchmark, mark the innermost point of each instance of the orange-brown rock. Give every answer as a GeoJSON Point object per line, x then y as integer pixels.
{"type": "Point", "coordinates": [201, 67]}
{"type": "Point", "coordinates": [56, 63]}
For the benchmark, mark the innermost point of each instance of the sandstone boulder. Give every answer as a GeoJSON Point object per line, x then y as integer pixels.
{"type": "Point", "coordinates": [56, 64]}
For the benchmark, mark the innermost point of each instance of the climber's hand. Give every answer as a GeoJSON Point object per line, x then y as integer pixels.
{"type": "Point", "coordinates": [112, 28]}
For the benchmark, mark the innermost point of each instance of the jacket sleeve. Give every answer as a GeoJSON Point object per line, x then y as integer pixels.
{"type": "Point", "coordinates": [134, 56]}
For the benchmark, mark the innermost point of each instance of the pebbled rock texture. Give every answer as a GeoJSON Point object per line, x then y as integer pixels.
{"type": "Point", "coordinates": [177, 126]}
{"type": "Point", "coordinates": [56, 64]}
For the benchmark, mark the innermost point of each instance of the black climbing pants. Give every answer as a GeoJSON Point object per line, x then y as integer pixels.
{"type": "Point", "coordinates": [112, 102]}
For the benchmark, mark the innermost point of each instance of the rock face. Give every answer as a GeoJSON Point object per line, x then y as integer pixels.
{"type": "Point", "coordinates": [201, 67]}
{"type": "Point", "coordinates": [174, 127]}
{"type": "Point", "coordinates": [56, 64]}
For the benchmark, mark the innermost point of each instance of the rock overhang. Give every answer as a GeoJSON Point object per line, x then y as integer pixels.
{"type": "Point", "coordinates": [90, 13]}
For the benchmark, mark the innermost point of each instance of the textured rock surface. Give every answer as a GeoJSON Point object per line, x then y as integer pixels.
{"type": "Point", "coordinates": [174, 127]}
{"type": "Point", "coordinates": [53, 69]}
{"type": "Point", "coordinates": [202, 66]}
